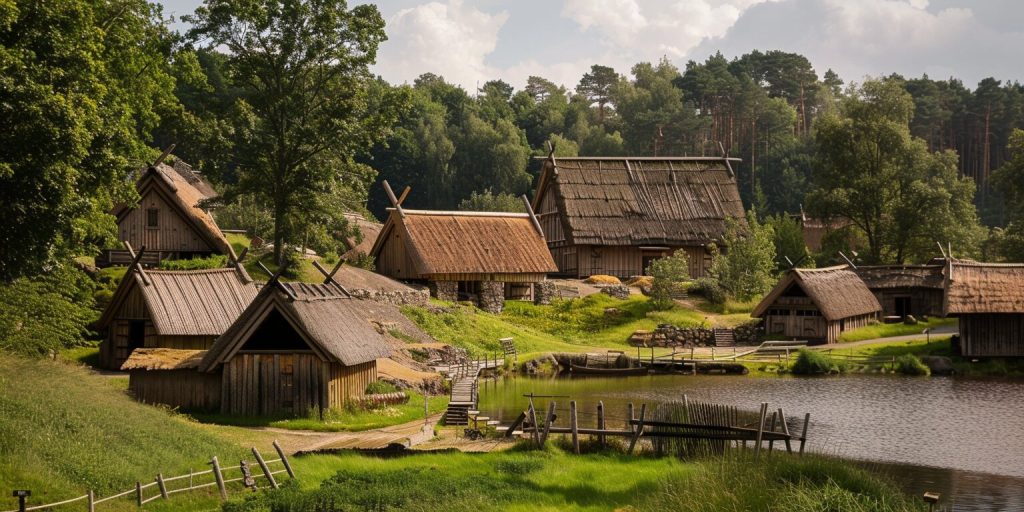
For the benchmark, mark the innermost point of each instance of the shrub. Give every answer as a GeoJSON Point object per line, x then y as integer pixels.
{"type": "Point", "coordinates": [909, 364]}
{"type": "Point", "coordinates": [668, 273]}
{"type": "Point", "coordinates": [710, 290]}
{"type": "Point", "coordinates": [46, 313]}
{"type": "Point", "coordinates": [379, 386]}
{"type": "Point", "coordinates": [293, 263]}
{"type": "Point", "coordinates": [602, 279]}
{"type": "Point", "coordinates": [215, 261]}
{"type": "Point", "coordinates": [810, 362]}
{"type": "Point", "coordinates": [746, 268]}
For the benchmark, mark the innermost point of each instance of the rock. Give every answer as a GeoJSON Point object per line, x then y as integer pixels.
{"type": "Point", "coordinates": [939, 365]}
{"type": "Point", "coordinates": [910, 320]}
{"type": "Point", "coordinates": [492, 296]}
{"type": "Point", "coordinates": [444, 290]}
{"type": "Point", "coordinates": [618, 291]}
{"type": "Point", "coordinates": [544, 292]}
{"type": "Point", "coordinates": [612, 312]}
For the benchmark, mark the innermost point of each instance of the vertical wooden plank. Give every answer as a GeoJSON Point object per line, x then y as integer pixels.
{"type": "Point", "coordinates": [161, 485]}
{"type": "Point", "coordinates": [600, 423]}
{"type": "Point", "coordinates": [639, 429]}
{"type": "Point", "coordinates": [630, 417]}
{"type": "Point", "coordinates": [575, 427]}
{"type": "Point", "coordinates": [785, 430]}
{"type": "Point", "coordinates": [220, 478]}
{"type": "Point", "coordinates": [760, 428]}
{"type": "Point", "coordinates": [548, 420]}
{"type": "Point", "coordinates": [92, 501]}
{"type": "Point", "coordinates": [771, 442]}
{"type": "Point", "coordinates": [138, 493]}
{"type": "Point", "coordinates": [803, 436]}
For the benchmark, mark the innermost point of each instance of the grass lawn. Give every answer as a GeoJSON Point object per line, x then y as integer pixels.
{"type": "Point", "coordinates": [991, 367]}
{"type": "Point", "coordinates": [881, 330]}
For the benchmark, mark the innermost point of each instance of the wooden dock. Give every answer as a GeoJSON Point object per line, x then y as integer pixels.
{"type": "Point", "coordinates": [465, 379]}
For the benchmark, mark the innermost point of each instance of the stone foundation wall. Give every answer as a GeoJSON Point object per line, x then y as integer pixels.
{"type": "Point", "coordinates": [544, 292]}
{"type": "Point", "coordinates": [618, 291]}
{"type": "Point", "coordinates": [492, 296]}
{"type": "Point", "coordinates": [414, 297]}
{"type": "Point", "coordinates": [667, 335]}
{"type": "Point", "coordinates": [445, 290]}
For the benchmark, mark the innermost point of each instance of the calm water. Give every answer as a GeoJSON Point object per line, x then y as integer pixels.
{"type": "Point", "coordinates": [961, 437]}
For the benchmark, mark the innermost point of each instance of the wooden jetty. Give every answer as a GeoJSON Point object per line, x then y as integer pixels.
{"type": "Point", "coordinates": [465, 377]}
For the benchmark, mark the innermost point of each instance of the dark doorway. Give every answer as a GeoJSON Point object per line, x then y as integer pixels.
{"type": "Point", "coordinates": [902, 306]}
{"type": "Point", "coordinates": [647, 260]}
{"type": "Point", "coordinates": [136, 334]}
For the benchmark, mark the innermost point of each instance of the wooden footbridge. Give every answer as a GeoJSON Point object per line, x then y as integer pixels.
{"type": "Point", "coordinates": [465, 378]}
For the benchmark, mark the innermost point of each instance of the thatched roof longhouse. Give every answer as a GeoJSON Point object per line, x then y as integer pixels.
{"type": "Point", "coordinates": [973, 287]}
{"type": "Point", "coordinates": [836, 291]}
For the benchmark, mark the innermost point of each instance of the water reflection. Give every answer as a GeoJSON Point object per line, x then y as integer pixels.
{"type": "Point", "coordinates": [961, 437]}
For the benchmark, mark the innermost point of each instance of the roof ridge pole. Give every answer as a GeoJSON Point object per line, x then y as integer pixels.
{"type": "Point", "coordinates": [942, 250]}
{"type": "Point", "coordinates": [394, 200]}
{"type": "Point", "coordinates": [236, 263]}
{"type": "Point", "coordinates": [329, 276]}
{"type": "Point", "coordinates": [847, 260]}
{"type": "Point", "coordinates": [275, 279]}
{"type": "Point", "coordinates": [529, 210]}
{"type": "Point", "coordinates": [137, 261]}
{"type": "Point", "coordinates": [728, 165]}
{"type": "Point", "coordinates": [163, 155]}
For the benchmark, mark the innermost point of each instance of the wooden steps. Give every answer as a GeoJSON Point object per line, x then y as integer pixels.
{"type": "Point", "coordinates": [725, 338]}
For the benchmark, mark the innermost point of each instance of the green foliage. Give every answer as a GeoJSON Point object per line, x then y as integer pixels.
{"type": "Point", "coordinates": [811, 362]}
{"type": "Point", "coordinates": [909, 364]}
{"type": "Point", "coordinates": [882, 330]}
{"type": "Point", "coordinates": [46, 313]}
{"type": "Point", "coordinates": [747, 269]}
{"type": "Point", "coordinates": [379, 387]}
{"type": "Point", "coordinates": [248, 213]}
{"type": "Point", "coordinates": [668, 273]}
{"type": "Point", "coordinates": [209, 262]}
{"type": "Point", "coordinates": [709, 288]}
{"type": "Point", "coordinates": [789, 242]}
{"type": "Point", "coordinates": [487, 201]}
{"type": "Point", "coordinates": [1008, 244]}
{"type": "Point", "coordinates": [293, 262]}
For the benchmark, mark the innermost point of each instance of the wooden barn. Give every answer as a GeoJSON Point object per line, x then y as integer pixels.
{"type": "Point", "coordinates": [616, 215]}
{"type": "Point", "coordinates": [297, 348]}
{"type": "Point", "coordinates": [817, 304]}
{"type": "Point", "coordinates": [170, 376]}
{"type": "Point", "coordinates": [988, 299]}
{"type": "Point", "coordinates": [169, 221]}
{"type": "Point", "coordinates": [906, 289]}
{"type": "Point", "coordinates": [171, 309]}
{"type": "Point", "coordinates": [489, 255]}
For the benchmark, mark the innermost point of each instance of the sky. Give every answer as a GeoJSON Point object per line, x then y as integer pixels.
{"type": "Point", "coordinates": [469, 42]}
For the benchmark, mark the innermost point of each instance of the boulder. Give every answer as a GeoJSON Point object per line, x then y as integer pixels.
{"type": "Point", "coordinates": [939, 365]}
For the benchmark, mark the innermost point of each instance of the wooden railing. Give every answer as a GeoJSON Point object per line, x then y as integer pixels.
{"type": "Point", "coordinates": [194, 480]}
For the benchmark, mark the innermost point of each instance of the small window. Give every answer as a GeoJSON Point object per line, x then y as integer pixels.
{"type": "Point", "coordinates": [152, 218]}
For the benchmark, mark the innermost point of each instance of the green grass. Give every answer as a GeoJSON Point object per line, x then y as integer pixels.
{"type": "Point", "coordinates": [89, 356]}
{"type": "Point", "coordinates": [881, 330]}
{"type": "Point", "coordinates": [238, 241]}
{"type": "Point", "coordinates": [551, 480]}
{"type": "Point", "coordinates": [991, 367]}
{"type": "Point", "coordinates": [307, 272]}
{"type": "Point", "coordinates": [340, 420]}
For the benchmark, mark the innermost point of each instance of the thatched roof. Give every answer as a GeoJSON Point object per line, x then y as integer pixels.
{"type": "Point", "coordinates": [186, 302]}
{"type": "Point", "coordinates": [901, 276]}
{"type": "Point", "coordinates": [368, 230]}
{"type": "Point", "coordinates": [193, 177]}
{"type": "Point", "coordinates": [163, 359]}
{"type": "Point", "coordinates": [469, 242]}
{"type": "Point", "coordinates": [836, 291]}
{"type": "Point", "coordinates": [642, 201]}
{"type": "Point", "coordinates": [187, 200]}
{"type": "Point", "coordinates": [973, 287]}
{"type": "Point", "coordinates": [335, 326]}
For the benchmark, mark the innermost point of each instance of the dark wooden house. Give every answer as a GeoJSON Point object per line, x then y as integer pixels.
{"type": "Point", "coordinates": [170, 220]}
{"type": "Point", "coordinates": [171, 309]}
{"type": "Point", "coordinates": [615, 215]}
{"type": "Point", "coordinates": [906, 289]}
{"type": "Point", "coordinates": [817, 304]}
{"type": "Point", "coordinates": [297, 348]}
{"type": "Point", "coordinates": [988, 299]}
{"type": "Point", "coordinates": [489, 255]}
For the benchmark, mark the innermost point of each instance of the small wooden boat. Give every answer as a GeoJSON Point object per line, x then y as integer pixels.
{"type": "Point", "coordinates": [618, 372]}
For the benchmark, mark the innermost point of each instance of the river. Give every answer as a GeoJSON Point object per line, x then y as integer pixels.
{"type": "Point", "coordinates": [961, 437]}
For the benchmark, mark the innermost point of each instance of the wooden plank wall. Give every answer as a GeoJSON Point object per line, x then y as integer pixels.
{"type": "Point", "coordinates": [923, 301]}
{"type": "Point", "coordinates": [173, 234]}
{"type": "Point", "coordinates": [550, 219]}
{"type": "Point", "coordinates": [393, 259]}
{"type": "Point", "coordinates": [187, 389]}
{"type": "Point", "coordinates": [627, 261]}
{"type": "Point", "coordinates": [992, 335]}
{"type": "Point", "coordinates": [347, 382]}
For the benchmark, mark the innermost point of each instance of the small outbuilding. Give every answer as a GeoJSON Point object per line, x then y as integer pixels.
{"type": "Point", "coordinates": [170, 309]}
{"type": "Point", "coordinates": [489, 255]}
{"type": "Point", "coordinates": [988, 299]}
{"type": "Point", "coordinates": [297, 348]}
{"type": "Point", "coordinates": [904, 290]}
{"type": "Point", "coordinates": [170, 376]}
{"type": "Point", "coordinates": [817, 304]}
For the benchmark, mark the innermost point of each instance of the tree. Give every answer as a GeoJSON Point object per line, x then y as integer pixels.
{"type": "Point", "coordinates": [874, 173]}
{"type": "Point", "coordinates": [82, 84]}
{"type": "Point", "coordinates": [304, 114]}
{"type": "Point", "coordinates": [487, 201]}
{"type": "Point", "coordinates": [789, 242]}
{"type": "Point", "coordinates": [668, 274]}
{"type": "Point", "coordinates": [596, 87]}
{"type": "Point", "coordinates": [746, 270]}
{"type": "Point", "coordinates": [1009, 179]}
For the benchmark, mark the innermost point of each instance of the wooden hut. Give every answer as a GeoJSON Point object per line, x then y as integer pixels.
{"type": "Point", "coordinates": [489, 255]}
{"type": "Point", "coordinates": [169, 220]}
{"type": "Point", "coordinates": [817, 304]}
{"type": "Point", "coordinates": [906, 289]}
{"type": "Point", "coordinates": [171, 309]}
{"type": "Point", "coordinates": [297, 348]}
{"type": "Point", "coordinates": [988, 299]}
{"type": "Point", "coordinates": [616, 215]}
{"type": "Point", "coordinates": [170, 376]}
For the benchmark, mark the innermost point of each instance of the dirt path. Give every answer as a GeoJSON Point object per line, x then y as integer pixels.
{"type": "Point", "coordinates": [406, 434]}
{"type": "Point", "coordinates": [940, 331]}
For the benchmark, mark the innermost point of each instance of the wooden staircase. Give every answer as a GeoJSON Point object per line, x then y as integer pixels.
{"type": "Point", "coordinates": [725, 338]}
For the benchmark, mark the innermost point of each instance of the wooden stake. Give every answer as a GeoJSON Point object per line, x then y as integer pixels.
{"type": "Point", "coordinates": [575, 428]}
{"type": "Point", "coordinates": [803, 436]}
{"type": "Point", "coordinates": [771, 442]}
{"type": "Point", "coordinates": [138, 493]}
{"type": "Point", "coordinates": [600, 423]}
{"type": "Point", "coordinates": [629, 422]}
{"type": "Point", "coordinates": [785, 430]}
{"type": "Point", "coordinates": [263, 466]}
{"type": "Point", "coordinates": [92, 501]}
{"type": "Point", "coordinates": [639, 428]}
{"type": "Point", "coordinates": [533, 423]}
{"type": "Point", "coordinates": [760, 429]}
{"type": "Point", "coordinates": [160, 484]}
{"type": "Point", "coordinates": [284, 459]}
{"type": "Point", "coordinates": [548, 420]}
{"type": "Point", "coordinates": [220, 479]}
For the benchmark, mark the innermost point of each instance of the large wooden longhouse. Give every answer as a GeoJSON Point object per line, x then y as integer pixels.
{"type": "Point", "coordinates": [905, 289]}
{"type": "Point", "coordinates": [817, 304]}
{"type": "Point", "coordinates": [615, 215]}
{"type": "Point", "coordinates": [988, 299]}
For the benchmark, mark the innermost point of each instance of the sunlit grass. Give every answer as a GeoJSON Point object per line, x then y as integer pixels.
{"type": "Point", "coordinates": [880, 330]}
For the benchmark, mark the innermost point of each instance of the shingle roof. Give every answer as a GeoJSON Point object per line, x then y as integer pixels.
{"type": "Point", "coordinates": [470, 242]}
{"type": "Point", "coordinates": [337, 327]}
{"type": "Point", "coordinates": [901, 276]}
{"type": "Point", "coordinates": [836, 291]}
{"type": "Point", "coordinates": [637, 201]}
{"type": "Point", "coordinates": [983, 288]}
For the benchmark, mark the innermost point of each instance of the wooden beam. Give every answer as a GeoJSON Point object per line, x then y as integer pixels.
{"type": "Point", "coordinates": [725, 158]}
{"type": "Point", "coordinates": [329, 276]}
{"type": "Point", "coordinates": [394, 200]}
{"type": "Point", "coordinates": [529, 210]}
{"type": "Point", "coordinates": [848, 261]}
{"type": "Point", "coordinates": [405, 193]}
{"type": "Point", "coordinates": [639, 429]}
{"type": "Point", "coordinates": [137, 261]}
{"type": "Point", "coordinates": [163, 155]}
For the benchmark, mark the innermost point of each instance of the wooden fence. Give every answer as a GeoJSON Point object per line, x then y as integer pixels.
{"type": "Point", "coordinates": [163, 487]}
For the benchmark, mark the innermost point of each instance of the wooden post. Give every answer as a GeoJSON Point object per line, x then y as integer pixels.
{"type": "Point", "coordinates": [284, 459]}
{"type": "Point", "coordinates": [138, 493]}
{"type": "Point", "coordinates": [785, 430]}
{"type": "Point", "coordinates": [760, 429]}
{"type": "Point", "coordinates": [533, 423]}
{"type": "Point", "coordinates": [263, 466]}
{"type": "Point", "coordinates": [803, 436]}
{"type": "Point", "coordinates": [575, 427]}
{"type": "Point", "coordinates": [160, 484]}
{"type": "Point", "coordinates": [548, 420]}
{"type": "Point", "coordinates": [771, 442]}
{"type": "Point", "coordinates": [629, 422]}
{"type": "Point", "coordinates": [639, 430]}
{"type": "Point", "coordinates": [220, 478]}
{"type": "Point", "coordinates": [600, 423]}
{"type": "Point", "coordinates": [92, 501]}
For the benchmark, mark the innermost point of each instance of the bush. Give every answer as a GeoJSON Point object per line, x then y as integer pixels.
{"type": "Point", "coordinates": [710, 290]}
{"type": "Point", "coordinates": [378, 387]}
{"type": "Point", "coordinates": [214, 261]}
{"type": "Point", "coordinates": [668, 273]}
{"type": "Point", "coordinates": [909, 364]}
{"type": "Point", "coordinates": [602, 279]}
{"type": "Point", "coordinates": [293, 263]}
{"type": "Point", "coordinates": [46, 313]}
{"type": "Point", "coordinates": [810, 362]}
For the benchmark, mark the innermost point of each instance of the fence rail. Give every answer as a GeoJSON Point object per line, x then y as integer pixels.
{"type": "Point", "coordinates": [139, 491]}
